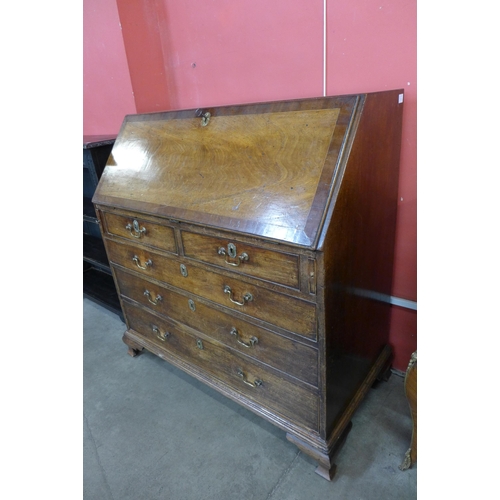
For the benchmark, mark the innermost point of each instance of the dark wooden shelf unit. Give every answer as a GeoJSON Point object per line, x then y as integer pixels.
{"type": "Point", "coordinates": [89, 214]}
{"type": "Point", "coordinates": [94, 253]}
{"type": "Point", "coordinates": [98, 283]}
{"type": "Point", "coordinates": [99, 287]}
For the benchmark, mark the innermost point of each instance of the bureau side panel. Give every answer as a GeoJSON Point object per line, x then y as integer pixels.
{"type": "Point", "coordinates": [357, 253]}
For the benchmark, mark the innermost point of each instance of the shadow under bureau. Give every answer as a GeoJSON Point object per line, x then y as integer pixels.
{"type": "Point", "coordinates": [247, 244]}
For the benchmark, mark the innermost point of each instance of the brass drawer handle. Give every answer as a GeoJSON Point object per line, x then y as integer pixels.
{"type": "Point", "coordinates": [252, 342]}
{"type": "Point", "coordinates": [159, 298]}
{"type": "Point", "coordinates": [231, 252]}
{"type": "Point", "coordinates": [256, 383]}
{"type": "Point", "coordinates": [147, 264]}
{"type": "Point", "coordinates": [248, 297]}
{"type": "Point", "coordinates": [138, 232]}
{"type": "Point", "coordinates": [159, 335]}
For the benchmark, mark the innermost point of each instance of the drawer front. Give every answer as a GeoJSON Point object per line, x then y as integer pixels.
{"type": "Point", "coordinates": [250, 379]}
{"type": "Point", "coordinates": [286, 312]}
{"type": "Point", "coordinates": [242, 258]}
{"type": "Point", "coordinates": [291, 357]}
{"type": "Point", "coordinates": [140, 231]}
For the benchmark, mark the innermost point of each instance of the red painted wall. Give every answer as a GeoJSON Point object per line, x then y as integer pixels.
{"type": "Point", "coordinates": [373, 46]}
{"type": "Point", "coordinates": [107, 91]}
{"type": "Point", "coordinates": [203, 53]}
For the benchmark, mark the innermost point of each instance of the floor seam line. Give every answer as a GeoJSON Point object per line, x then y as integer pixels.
{"type": "Point", "coordinates": [98, 457]}
{"type": "Point", "coordinates": [282, 477]}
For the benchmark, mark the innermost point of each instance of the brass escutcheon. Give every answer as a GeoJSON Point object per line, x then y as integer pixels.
{"type": "Point", "coordinates": [205, 119]}
{"type": "Point", "coordinates": [184, 270]}
{"type": "Point", "coordinates": [231, 252]}
{"type": "Point", "coordinates": [192, 305]}
{"type": "Point", "coordinates": [199, 344]}
{"type": "Point", "coordinates": [205, 116]}
{"type": "Point", "coordinates": [135, 227]}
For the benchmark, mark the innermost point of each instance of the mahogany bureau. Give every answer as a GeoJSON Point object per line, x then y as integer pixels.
{"type": "Point", "coordinates": [249, 245]}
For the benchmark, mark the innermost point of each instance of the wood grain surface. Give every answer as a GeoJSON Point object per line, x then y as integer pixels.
{"type": "Point", "coordinates": [270, 348]}
{"type": "Point", "coordinates": [296, 403]}
{"type": "Point", "coordinates": [272, 266]}
{"type": "Point", "coordinates": [154, 235]}
{"type": "Point", "coordinates": [300, 317]}
{"type": "Point", "coordinates": [274, 220]}
{"type": "Point", "coordinates": [264, 169]}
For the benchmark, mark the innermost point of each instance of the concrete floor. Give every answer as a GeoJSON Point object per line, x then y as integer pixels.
{"type": "Point", "coordinates": [153, 432]}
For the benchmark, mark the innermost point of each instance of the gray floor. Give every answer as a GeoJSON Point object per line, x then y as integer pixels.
{"type": "Point", "coordinates": [153, 432]}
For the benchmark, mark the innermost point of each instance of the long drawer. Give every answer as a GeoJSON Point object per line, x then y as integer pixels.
{"type": "Point", "coordinates": [294, 358]}
{"type": "Point", "coordinates": [255, 382]}
{"type": "Point", "coordinates": [284, 311]}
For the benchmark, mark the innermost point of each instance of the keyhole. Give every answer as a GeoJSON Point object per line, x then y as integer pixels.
{"type": "Point", "coordinates": [231, 250]}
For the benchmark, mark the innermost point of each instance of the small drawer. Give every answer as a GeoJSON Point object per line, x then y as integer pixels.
{"type": "Point", "coordinates": [140, 231]}
{"type": "Point", "coordinates": [291, 313]}
{"type": "Point", "coordinates": [250, 379]}
{"type": "Point", "coordinates": [240, 257]}
{"type": "Point", "coordinates": [289, 356]}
